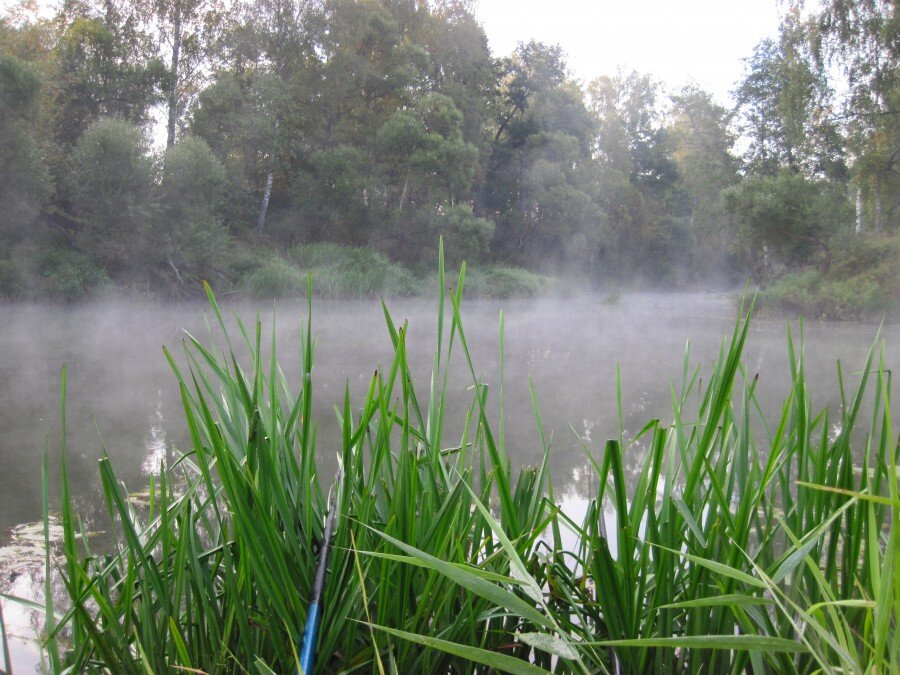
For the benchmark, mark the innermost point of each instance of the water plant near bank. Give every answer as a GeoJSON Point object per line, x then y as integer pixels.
{"type": "Point", "coordinates": [743, 544]}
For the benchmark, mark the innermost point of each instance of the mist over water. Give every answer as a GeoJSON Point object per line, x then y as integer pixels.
{"type": "Point", "coordinates": [120, 385]}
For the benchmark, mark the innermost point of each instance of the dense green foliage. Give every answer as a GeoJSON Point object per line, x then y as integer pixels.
{"type": "Point", "coordinates": [387, 124]}
{"type": "Point", "coordinates": [863, 281]}
{"type": "Point", "coordinates": [339, 271]}
{"type": "Point", "coordinates": [739, 544]}
{"type": "Point", "coordinates": [359, 272]}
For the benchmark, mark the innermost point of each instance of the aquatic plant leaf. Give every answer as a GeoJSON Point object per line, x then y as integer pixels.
{"type": "Point", "coordinates": [549, 643]}
{"type": "Point", "coordinates": [496, 594]}
{"type": "Point", "coordinates": [727, 600]}
{"type": "Point", "coordinates": [716, 566]}
{"type": "Point", "coordinates": [739, 642]}
{"type": "Point", "coordinates": [507, 664]}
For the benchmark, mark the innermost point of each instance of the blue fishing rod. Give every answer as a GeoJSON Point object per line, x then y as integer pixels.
{"type": "Point", "coordinates": [314, 611]}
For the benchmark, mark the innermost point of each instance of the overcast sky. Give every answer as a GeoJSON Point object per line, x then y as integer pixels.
{"type": "Point", "coordinates": [677, 41]}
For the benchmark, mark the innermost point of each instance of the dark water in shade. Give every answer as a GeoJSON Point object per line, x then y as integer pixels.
{"type": "Point", "coordinates": [121, 390]}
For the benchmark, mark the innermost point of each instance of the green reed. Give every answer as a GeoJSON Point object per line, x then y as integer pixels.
{"type": "Point", "coordinates": [734, 549]}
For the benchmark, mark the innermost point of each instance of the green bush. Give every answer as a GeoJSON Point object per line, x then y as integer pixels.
{"type": "Point", "coordinates": [359, 272]}
{"type": "Point", "coordinates": [506, 282]}
{"type": "Point", "coordinates": [70, 276]}
{"type": "Point", "coordinates": [14, 278]}
{"type": "Point", "coordinates": [347, 271]}
{"type": "Point", "coordinates": [466, 238]}
{"type": "Point", "coordinates": [110, 189]}
{"type": "Point", "coordinates": [275, 278]}
{"type": "Point", "coordinates": [241, 261]}
{"type": "Point", "coordinates": [8, 280]}
{"type": "Point", "coordinates": [875, 258]}
{"type": "Point", "coordinates": [863, 282]}
{"type": "Point", "coordinates": [25, 184]}
{"type": "Point", "coordinates": [793, 217]}
{"type": "Point", "coordinates": [190, 232]}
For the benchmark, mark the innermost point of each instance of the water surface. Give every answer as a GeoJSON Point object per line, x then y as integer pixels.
{"type": "Point", "coordinates": [122, 397]}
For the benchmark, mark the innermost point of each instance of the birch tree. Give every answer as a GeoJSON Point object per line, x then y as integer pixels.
{"type": "Point", "coordinates": [188, 30]}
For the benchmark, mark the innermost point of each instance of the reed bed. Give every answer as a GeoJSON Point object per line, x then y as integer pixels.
{"type": "Point", "coordinates": [743, 545]}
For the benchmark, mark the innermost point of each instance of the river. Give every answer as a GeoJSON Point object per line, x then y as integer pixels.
{"type": "Point", "coordinates": [122, 395]}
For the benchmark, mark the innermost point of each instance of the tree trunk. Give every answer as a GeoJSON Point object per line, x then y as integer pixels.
{"type": "Point", "coordinates": [173, 88]}
{"type": "Point", "coordinates": [825, 265]}
{"type": "Point", "coordinates": [175, 269]}
{"type": "Point", "coordinates": [403, 194]}
{"type": "Point", "coordinates": [520, 199]}
{"type": "Point", "coordinates": [264, 206]}
{"type": "Point", "coordinates": [878, 214]}
{"type": "Point", "coordinates": [859, 211]}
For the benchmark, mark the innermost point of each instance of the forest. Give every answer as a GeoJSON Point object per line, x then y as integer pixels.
{"type": "Point", "coordinates": [148, 145]}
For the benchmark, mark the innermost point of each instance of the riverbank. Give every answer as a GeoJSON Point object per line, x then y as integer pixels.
{"type": "Point", "coordinates": [861, 283]}
{"type": "Point", "coordinates": [261, 272]}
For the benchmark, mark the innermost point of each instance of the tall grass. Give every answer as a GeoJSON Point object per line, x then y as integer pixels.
{"type": "Point", "coordinates": [744, 544]}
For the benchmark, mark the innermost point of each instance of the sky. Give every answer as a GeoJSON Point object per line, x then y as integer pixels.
{"type": "Point", "coordinates": [676, 41]}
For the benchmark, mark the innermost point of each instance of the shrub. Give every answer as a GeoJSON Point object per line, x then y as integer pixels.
{"type": "Point", "coordinates": [506, 282]}
{"type": "Point", "coordinates": [790, 216]}
{"type": "Point", "coordinates": [9, 280]}
{"type": "Point", "coordinates": [110, 187]}
{"type": "Point", "coordinates": [25, 184]}
{"type": "Point", "coordinates": [242, 261]}
{"type": "Point", "coordinates": [70, 276]}
{"type": "Point", "coordinates": [466, 238]}
{"type": "Point", "coordinates": [864, 281]}
{"type": "Point", "coordinates": [275, 278]}
{"type": "Point", "coordinates": [810, 294]}
{"type": "Point", "coordinates": [17, 273]}
{"type": "Point", "coordinates": [190, 233]}
{"type": "Point", "coordinates": [347, 271]}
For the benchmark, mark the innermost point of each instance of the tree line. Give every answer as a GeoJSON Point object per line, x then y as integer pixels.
{"type": "Point", "coordinates": [386, 123]}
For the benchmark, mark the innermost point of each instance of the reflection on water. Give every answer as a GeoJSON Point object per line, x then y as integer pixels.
{"type": "Point", "coordinates": [120, 384]}
{"type": "Point", "coordinates": [22, 623]}
{"type": "Point", "coordinates": [155, 448]}
{"type": "Point", "coordinates": [22, 567]}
